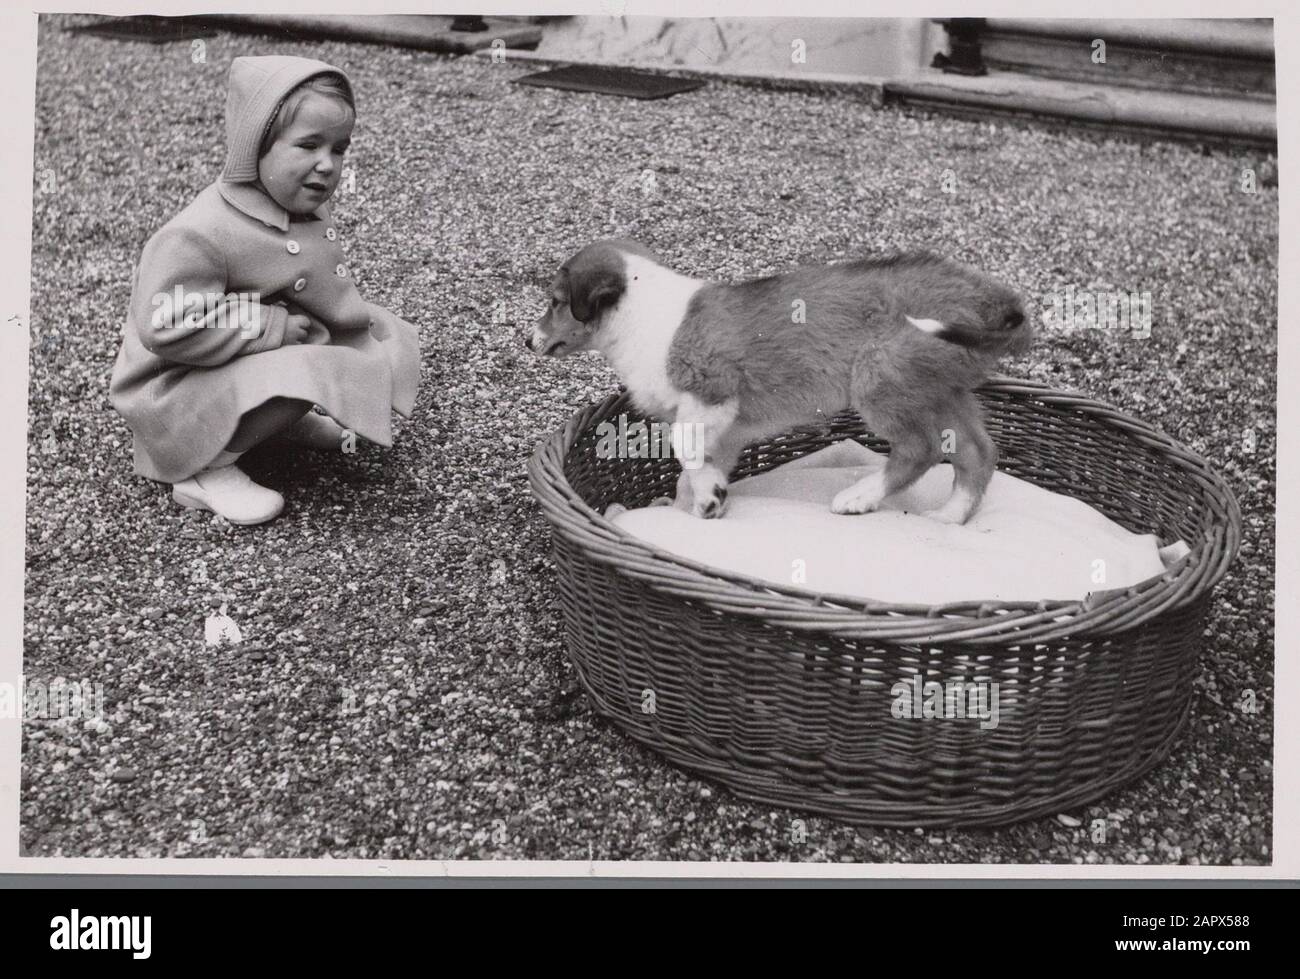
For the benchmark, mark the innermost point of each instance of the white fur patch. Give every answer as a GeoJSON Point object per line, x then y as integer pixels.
{"type": "Point", "coordinates": [698, 428]}
{"type": "Point", "coordinates": [863, 496]}
{"type": "Point", "coordinates": [926, 326]}
{"type": "Point", "coordinates": [635, 337]}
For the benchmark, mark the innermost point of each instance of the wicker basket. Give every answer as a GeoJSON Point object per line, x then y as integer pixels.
{"type": "Point", "coordinates": [786, 696]}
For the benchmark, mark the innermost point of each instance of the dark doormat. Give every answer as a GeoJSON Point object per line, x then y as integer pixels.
{"type": "Point", "coordinates": [611, 81]}
{"type": "Point", "coordinates": [155, 30]}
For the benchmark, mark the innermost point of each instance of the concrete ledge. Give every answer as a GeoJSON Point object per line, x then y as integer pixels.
{"type": "Point", "coordinates": [1174, 113]}
{"type": "Point", "coordinates": [868, 88]}
{"type": "Point", "coordinates": [1229, 38]}
{"type": "Point", "coordinates": [1069, 59]}
{"type": "Point", "coordinates": [1133, 111]}
{"type": "Point", "coordinates": [425, 32]}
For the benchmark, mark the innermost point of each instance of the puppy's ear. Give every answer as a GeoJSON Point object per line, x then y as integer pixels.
{"type": "Point", "coordinates": [593, 290]}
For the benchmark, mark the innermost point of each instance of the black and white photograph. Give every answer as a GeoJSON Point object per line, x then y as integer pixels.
{"type": "Point", "coordinates": [624, 438]}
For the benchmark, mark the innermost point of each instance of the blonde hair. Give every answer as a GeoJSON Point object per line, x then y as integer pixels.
{"type": "Point", "coordinates": [329, 84]}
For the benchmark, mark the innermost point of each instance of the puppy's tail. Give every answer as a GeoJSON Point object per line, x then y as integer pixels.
{"type": "Point", "coordinates": [1010, 332]}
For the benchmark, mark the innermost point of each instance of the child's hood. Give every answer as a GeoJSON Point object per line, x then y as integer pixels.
{"type": "Point", "coordinates": [257, 87]}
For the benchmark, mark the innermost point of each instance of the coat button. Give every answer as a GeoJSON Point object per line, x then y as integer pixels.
{"type": "Point", "coordinates": [331, 234]}
{"type": "Point", "coordinates": [292, 247]}
{"type": "Point", "coordinates": [300, 285]}
{"type": "Point", "coordinates": [341, 271]}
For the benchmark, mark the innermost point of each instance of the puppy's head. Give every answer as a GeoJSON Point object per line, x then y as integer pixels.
{"type": "Point", "coordinates": [585, 289]}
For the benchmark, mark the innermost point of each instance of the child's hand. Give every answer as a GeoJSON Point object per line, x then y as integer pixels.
{"type": "Point", "coordinates": [296, 328]}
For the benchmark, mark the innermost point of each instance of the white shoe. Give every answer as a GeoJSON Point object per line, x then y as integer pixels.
{"type": "Point", "coordinates": [317, 431]}
{"type": "Point", "coordinates": [228, 492]}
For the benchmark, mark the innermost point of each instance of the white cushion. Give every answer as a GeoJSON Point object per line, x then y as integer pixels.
{"type": "Point", "coordinates": [1023, 544]}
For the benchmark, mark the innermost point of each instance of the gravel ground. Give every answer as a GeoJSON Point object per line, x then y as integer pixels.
{"type": "Point", "coordinates": [402, 690]}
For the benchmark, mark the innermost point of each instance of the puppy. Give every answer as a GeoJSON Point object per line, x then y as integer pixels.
{"type": "Point", "coordinates": [903, 340]}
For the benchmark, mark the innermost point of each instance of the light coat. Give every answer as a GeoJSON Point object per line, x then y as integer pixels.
{"type": "Point", "coordinates": [203, 340]}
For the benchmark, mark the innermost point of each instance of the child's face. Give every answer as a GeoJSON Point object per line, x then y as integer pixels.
{"type": "Point", "coordinates": [301, 169]}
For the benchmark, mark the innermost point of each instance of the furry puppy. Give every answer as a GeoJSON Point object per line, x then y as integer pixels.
{"type": "Point", "coordinates": [903, 340]}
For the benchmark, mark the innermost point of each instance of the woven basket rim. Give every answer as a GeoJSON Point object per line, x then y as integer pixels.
{"type": "Point", "coordinates": [850, 617]}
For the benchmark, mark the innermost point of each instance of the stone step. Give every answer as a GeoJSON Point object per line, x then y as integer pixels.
{"type": "Point", "coordinates": [1205, 57]}
{"type": "Point", "coordinates": [1215, 118]}
{"type": "Point", "coordinates": [427, 32]}
{"type": "Point", "coordinates": [1218, 120]}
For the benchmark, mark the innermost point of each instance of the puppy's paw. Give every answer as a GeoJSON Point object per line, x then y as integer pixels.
{"type": "Point", "coordinates": [711, 505]}
{"type": "Point", "coordinates": [945, 515]}
{"type": "Point", "coordinates": [855, 499]}
{"type": "Point", "coordinates": [959, 508]}
{"type": "Point", "coordinates": [685, 498]}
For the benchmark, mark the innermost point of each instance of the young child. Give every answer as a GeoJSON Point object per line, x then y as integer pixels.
{"type": "Point", "coordinates": [243, 313]}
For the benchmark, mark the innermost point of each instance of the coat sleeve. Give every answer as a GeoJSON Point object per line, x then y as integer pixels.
{"type": "Point", "coordinates": [182, 313]}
